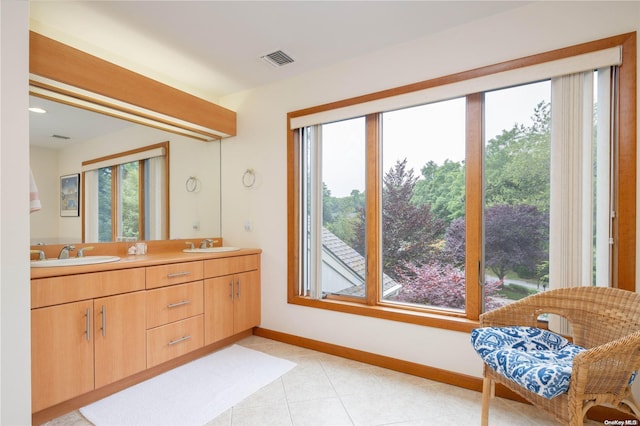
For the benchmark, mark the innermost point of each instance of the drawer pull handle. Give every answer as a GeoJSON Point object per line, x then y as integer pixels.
{"type": "Point", "coordinates": [175, 305]}
{"type": "Point", "coordinates": [104, 321]}
{"type": "Point", "coordinates": [88, 324]}
{"type": "Point", "coordinates": [178, 274]}
{"type": "Point", "coordinates": [181, 339]}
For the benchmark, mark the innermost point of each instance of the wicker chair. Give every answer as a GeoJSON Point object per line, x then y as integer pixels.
{"type": "Point", "coordinates": [605, 321]}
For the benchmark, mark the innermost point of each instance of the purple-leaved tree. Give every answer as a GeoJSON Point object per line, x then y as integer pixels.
{"type": "Point", "coordinates": [440, 285]}
{"type": "Point", "coordinates": [515, 239]}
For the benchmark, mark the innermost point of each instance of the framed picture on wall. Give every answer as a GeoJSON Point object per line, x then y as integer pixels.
{"type": "Point", "coordinates": [70, 195]}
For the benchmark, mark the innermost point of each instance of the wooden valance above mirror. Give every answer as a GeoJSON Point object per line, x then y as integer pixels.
{"type": "Point", "coordinates": [69, 75]}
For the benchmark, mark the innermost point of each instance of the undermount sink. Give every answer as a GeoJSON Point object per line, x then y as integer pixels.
{"type": "Point", "coordinates": [211, 250]}
{"type": "Point", "coordinates": [73, 261]}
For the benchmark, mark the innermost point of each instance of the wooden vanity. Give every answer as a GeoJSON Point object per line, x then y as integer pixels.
{"type": "Point", "coordinates": [97, 329]}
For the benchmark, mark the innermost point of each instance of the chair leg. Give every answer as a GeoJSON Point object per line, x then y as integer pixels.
{"type": "Point", "coordinates": [577, 413]}
{"type": "Point", "coordinates": [488, 392]}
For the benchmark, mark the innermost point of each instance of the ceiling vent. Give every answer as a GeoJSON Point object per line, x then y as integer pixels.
{"type": "Point", "coordinates": [277, 58]}
{"type": "Point", "coordinates": [61, 137]}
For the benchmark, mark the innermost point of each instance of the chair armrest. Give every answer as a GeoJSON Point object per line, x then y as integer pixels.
{"type": "Point", "coordinates": [606, 368]}
{"type": "Point", "coordinates": [521, 312]}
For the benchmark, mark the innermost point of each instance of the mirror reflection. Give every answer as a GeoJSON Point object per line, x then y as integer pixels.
{"type": "Point", "coordinates": [64, 137]}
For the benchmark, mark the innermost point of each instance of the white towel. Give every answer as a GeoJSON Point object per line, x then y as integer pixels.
{"type": "Point", "coordinates": [34, 196]}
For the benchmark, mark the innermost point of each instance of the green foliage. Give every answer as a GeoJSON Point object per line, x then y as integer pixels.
{"type": "Point", "coordinates": [130, 199]}
{"type": "Point", "coordinates": [443, 188]}
{"type": "Point", "coordinates": [515, 291]}
{"type": "Point", "coordinates": [517, 164]}
{"type": "Point", "coordinates": [341, 216]}
{"type": "Point", "coordinates": [104, 204]}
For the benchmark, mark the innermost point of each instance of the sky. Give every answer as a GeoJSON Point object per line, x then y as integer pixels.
{"type": "Point", "coordinates": [433, 132]}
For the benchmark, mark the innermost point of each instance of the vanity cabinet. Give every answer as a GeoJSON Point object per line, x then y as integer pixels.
{"type": "Point", "coordinates": [83, 345]}
{"type": "Point", "coordinates": [96, 332]}
{"type": "Point", "coordinates": [231, 296]}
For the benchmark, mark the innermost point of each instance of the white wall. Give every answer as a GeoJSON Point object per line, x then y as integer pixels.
{"type": "Point", "coordinates": [261, 144]}
{"type": "Point", "coordinates": [44, 222]}
{"type": "Point", "coordinates": [188, 157]}
{"type": "Point", "coordinates": [15, 355]}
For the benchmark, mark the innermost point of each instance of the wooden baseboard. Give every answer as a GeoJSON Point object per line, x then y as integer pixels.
{"type": "Point", "coordinates": [415, 369]}
{"type": "Point", "coordinates": [65, 407]}
{"type": "Point", "coordinates": [598, 413]}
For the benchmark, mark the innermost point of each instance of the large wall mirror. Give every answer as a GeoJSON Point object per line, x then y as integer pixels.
{"type": "Point", "coordinates": [70, 133]}
{"type": "Point", "coordinates": [64, 137]}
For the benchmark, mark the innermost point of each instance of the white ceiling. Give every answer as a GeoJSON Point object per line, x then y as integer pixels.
{"type": "Point", "coordinates": [213, 48]}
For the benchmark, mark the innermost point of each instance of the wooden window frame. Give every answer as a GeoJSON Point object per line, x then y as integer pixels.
{"type": "Point", "coordinates": [115, 189]}
{"type": "Point", "coordinates": [624, 224]}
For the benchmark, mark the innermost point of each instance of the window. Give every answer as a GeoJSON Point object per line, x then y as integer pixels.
{"type": "Point", "coordinates": [423, 155]}
{"type": "Point", "coordinates": [450, 212]}
{"type": "Point", "coordinates": [123, 193]}
{"type": "Point", "coordinates": [517, 158]}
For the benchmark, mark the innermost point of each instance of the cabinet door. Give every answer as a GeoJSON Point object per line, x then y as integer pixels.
{"type": "Point", "coordinates": [120, 348]}
{"type": "Point", "coordinates": [61, 353]}
{"type": "Point", "coordinates": [247, 301]}
{"type": "Point", "coordinates": [218, 308]}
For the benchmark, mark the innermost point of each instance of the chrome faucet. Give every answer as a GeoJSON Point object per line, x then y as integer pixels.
{"type": "Point", "coordinates": [64, 253]}
{"type": "Point", "coordinates": [206, 243]}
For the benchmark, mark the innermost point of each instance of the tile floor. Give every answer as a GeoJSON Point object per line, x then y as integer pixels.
{"type": "Point", "coordinates": [327, 390]}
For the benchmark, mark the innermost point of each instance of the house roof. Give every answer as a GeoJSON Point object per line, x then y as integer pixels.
{"type": "Point", "coordinates": [354, 263]}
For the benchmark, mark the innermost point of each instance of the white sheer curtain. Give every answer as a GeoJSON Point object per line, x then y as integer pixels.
{"type": "Point", "coordinates": [573, 199]}
{"type": "Point", "coordinates": [312, 202]}
{"type": "Point", "coordinates": [91, 206]}
{"type": "Point", "coordinates": [156, 200]}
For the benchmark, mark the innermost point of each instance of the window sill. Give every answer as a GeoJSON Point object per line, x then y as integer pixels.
{"type": "Point", "coordinates": [428, 319]}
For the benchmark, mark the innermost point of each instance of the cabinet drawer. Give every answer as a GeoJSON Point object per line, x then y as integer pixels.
{"type": "Point", "coordinates": [173, 303]}
{"type": "Point", "coordinates": [175, 273]}
{"type": "Point", "coordinates": [175, 339]}
{"type": "Point", "coordinates": [70, 288]}
{"type": "Point", "coordinates": [230, 265]}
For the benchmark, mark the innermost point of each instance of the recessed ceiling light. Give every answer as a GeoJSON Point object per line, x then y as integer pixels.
{"type": "Point", "coordinates": [38, 110]}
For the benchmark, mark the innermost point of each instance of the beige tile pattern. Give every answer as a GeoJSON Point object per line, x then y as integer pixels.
{"type": "Point", "coordinates": [327, 390]}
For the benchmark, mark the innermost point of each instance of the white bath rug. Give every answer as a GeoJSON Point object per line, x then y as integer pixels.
{"type": "Point", "coordinates": [192, 394]}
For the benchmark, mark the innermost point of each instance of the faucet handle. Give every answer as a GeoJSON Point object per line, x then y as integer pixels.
{"type": "Point", "coordinates": [40, 253]}
{"type": "Point", "coordinates": [190, 244]}
{"type": "Point", "coordinates": [206, 243]}
{"type": "Point", "coordinates": [82, 250]}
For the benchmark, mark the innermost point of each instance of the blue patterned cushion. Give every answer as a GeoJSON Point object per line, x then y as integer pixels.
{"type": "Point", "coordinates": [536, 359]}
